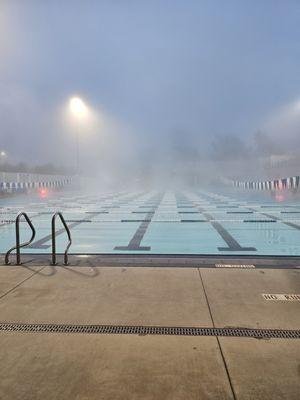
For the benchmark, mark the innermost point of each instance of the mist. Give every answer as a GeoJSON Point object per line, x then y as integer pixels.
{"type": "Point", "coordinates": [180, 92]}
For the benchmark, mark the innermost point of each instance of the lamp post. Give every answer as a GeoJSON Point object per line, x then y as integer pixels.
{"type": "Point", "coordinates": [2, 156]}
{"type": "Point", "coordinates": [79, 111]}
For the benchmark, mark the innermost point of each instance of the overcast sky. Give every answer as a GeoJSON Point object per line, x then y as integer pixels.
{"type": "Point", "coordinates": [150, 68]}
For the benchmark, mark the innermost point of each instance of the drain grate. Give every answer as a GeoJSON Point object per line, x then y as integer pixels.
{"type": "Point", "coordinates": [152, 330]}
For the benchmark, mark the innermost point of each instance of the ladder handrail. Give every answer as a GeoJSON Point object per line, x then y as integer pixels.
{"type": "Point", "coordinates": [59, 214]}
{"type": "Point", "coordinates": [18, 246]}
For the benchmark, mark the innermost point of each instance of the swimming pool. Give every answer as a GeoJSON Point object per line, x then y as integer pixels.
{"type": "Point", "coordinates": [192, 222]}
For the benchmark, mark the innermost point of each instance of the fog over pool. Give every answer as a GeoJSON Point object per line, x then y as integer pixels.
{"type": "Point", "coordinates": [171, 87]}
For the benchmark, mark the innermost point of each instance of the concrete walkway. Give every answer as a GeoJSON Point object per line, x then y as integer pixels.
{"type": "Point", "coordinates": [119, 366]}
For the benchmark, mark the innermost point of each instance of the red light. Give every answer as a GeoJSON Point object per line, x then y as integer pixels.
{"type": "Point", "coordinates": [279, 197]}
{"type": "Point", "coordinates": [43, 193]}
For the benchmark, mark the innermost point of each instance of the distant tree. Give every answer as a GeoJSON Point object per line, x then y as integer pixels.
{"type": "Point", "coordinates": [229, 147]}
{"type": "Point", "coordinates": [21, 167]}
{"type": "Point", "coordinates": [46, 169]}
{"type": "Point", "coordinates": [183, 147]}
{"type": "Point", "coordinates": [264, 145]}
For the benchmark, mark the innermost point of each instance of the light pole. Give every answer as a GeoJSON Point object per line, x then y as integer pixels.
{"type": "Point", "coordinates": [79, 110]}
{"type": "Point", "coordinates": [2, 156]}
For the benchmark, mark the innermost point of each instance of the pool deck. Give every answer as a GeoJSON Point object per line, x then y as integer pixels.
{"type": "Point", "coordinates": [81, 366]}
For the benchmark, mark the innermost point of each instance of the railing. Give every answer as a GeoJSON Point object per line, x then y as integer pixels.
{"type": "Point", "coordinates": [18, 246]}
{"type": "Point", "coordinates": [53, 234]}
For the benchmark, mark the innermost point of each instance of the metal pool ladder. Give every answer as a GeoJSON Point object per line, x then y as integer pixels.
{"type": "Point", "coordinates": [53, 234]}
{"type": "Point", "coordinates": [18, 246]}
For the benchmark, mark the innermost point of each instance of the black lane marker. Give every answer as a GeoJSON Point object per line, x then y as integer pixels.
{"type": "Point", "coordinates": [137, 238]}
{"type": "Point", "coordinates": [259, 220]}
{"type": "Point", "coordinates": [30, 217]}
{"type": "Point", "coordinates": [239, 212]}
{"type": "Point", "coordinates": [96, 212]}
{"type": "Point", "coordinates": [189, 212]}
{"type": "Point", "coordinates": [40, 244]}
{"type": "Point", "coordinates": [289, 212]}
{"type": "Point", "coordinates": [134, 243]}
{"type": "Point", "coordinates": [135, 220]}
{"type": "Point", "coordinates": [286, 206]}
{"type": "Point", "coordinates": [140, 212]}
{"type": "Point", "coordinates": [291, 224]}
{"type": "Point", "coordinates": [78, 220]}
{"type": "Point", "coordinates": [193, 220]}
{"type": "Point", "coordinates": [232, 244]}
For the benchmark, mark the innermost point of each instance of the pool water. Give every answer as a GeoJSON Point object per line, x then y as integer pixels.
{"type": "Point", "coordinates": [183, 222]}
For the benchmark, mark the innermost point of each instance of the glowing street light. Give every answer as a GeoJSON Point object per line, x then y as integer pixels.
{"type": "Point", "coordinates": [79, 110]}
{"type": "Point", "coordinates": [2, 155]}
{"type": "Point", "coordinates": [78, 107]}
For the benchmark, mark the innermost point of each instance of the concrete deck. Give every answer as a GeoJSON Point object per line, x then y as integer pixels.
{"type": "Point", "coordinates": [110, 366]}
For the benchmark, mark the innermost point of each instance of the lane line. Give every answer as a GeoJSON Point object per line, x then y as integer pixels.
{"type": "Point", "coordinates": [232, 244]}
{"type": "Point", "coordinates": [135, 242]}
